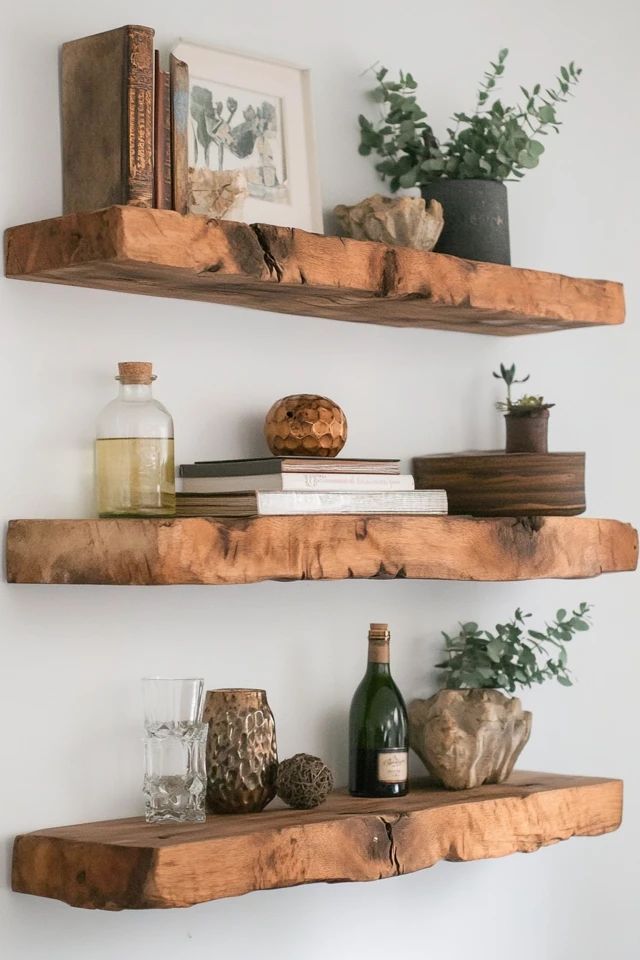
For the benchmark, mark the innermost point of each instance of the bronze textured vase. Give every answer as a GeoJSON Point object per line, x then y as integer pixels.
{"type": "Point", "coordinates": [242, 756]}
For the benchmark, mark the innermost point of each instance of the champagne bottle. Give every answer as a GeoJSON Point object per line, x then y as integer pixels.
{"type": "Point", "coordinates": [378, 727]}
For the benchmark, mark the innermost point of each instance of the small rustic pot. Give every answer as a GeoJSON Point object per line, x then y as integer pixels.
{"type": "Point", "coordinates": [528, 432]}
{"type": "Point", "coordinates": [468, 737]}
{"type": "Point", "coordinates": [242, 756]}
{"type": "Point", "coordinates": [476, 219]}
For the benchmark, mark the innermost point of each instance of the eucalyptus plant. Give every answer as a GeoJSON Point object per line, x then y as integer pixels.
{"type": "Point", "coordinates": [494, 142]}
{"type": "Point", "coordinates": [511, 654]}
{"type": "Point", "coordinates": [523, 405]}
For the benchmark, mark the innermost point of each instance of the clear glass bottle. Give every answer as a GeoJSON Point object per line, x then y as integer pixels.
{"type": "Point", "coordinates": [135, 472]}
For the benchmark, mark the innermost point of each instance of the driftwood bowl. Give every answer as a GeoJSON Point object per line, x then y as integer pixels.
{"type": "Point", "coordinates": [468, 737]}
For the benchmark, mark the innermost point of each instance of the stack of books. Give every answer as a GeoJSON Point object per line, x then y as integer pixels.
{"type": "Point", "coordinates": [288, 486]}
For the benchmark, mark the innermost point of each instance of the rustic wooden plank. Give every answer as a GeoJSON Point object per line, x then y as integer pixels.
{"type": "Point", "coordinates": [122, 864]}
{"type": "Point", "coordinates": [498, 484]}
{"type": "Point", "coordinates": [161, 253]}
{"type": "Point", "coordinates": [207, 551]}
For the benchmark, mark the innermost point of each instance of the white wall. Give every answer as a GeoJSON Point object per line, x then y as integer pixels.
{"type": "Point", "coordinates": [72, 657]}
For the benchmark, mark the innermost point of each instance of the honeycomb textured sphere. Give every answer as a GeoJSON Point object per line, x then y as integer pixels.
{"type": "Point", "coordinates": [304, 781]}
{"type": "Point", "coordinates": [305, 425]}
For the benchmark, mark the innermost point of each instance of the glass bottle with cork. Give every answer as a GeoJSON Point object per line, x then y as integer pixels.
{"type": "Point", "coordinates": [378, 727]}
{"type": "Point", "coordinates": [135, 472]}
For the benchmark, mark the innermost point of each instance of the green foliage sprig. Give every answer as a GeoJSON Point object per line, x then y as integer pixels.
{"type": "Point", "coordinates": [495, 142]}
{"type": "Point", "coordinates": [512, 654]}
{"type": "Point", "coordinates": [525, 404]}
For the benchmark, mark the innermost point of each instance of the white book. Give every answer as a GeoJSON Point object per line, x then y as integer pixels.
{"type": "Point", "coordinates": [292, 503]}
{"type": "Point", "coordinates": [340, 482]}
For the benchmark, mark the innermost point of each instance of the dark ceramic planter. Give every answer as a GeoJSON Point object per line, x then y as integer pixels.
{"type": "Point", "coordinates": [476, 219]}
{"type": "Point", "coordinates": [527, 433]}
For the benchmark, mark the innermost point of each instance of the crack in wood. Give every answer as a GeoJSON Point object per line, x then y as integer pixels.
{"type": "Point", "coordinates": [393, 847]}
{"type": "Point", "coordinates": [388, 280]}
{"type": "Point", "coordinates": [272, 264]}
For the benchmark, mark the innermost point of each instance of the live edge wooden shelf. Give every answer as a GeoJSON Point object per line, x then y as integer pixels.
{"type": "Point", "coordinates": [206, 551]}
{"type": "Point", "coordinates": [161, 253]}
{"type": "Point", "coordinates": [128, 864]}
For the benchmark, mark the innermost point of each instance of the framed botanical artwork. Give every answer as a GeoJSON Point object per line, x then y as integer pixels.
{"type": "Point", "coordinates": [250, 141]}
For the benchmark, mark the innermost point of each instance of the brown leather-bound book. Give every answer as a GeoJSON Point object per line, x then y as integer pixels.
{"type": "Point", "coordinates": [179, 74]}
{"type": "Point", "coordinates": [107, 119]}
{"type": "Point", "coordinates": [162, 138]}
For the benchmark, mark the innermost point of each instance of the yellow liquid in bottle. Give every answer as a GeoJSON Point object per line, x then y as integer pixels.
{"type": "Point", "coordinates": [135, 477]}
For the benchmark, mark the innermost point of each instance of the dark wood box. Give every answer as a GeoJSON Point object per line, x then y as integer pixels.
{"type": "Point", "coordinates": [498, 484]}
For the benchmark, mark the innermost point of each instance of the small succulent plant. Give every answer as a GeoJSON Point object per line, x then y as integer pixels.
{"type": "Point", "coordinates": [524, 405]}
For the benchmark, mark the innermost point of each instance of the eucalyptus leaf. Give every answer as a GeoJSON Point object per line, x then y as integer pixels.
{"type": "Point", "coordinates": [496, 141]}
{"type": "Point", "coordinates": [511, 654]}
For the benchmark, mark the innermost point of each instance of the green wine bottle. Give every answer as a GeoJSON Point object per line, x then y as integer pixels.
{"type": "Point", "coordinates": [378, 727]}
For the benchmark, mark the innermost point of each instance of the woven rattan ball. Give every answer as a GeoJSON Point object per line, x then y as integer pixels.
{"type": "Point", "coordinates": [305, 425]}
{"type": "Point", "coordinates": [303, 781]}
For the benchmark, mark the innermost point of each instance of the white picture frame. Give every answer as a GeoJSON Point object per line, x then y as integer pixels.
{"type": "Point", "coordinates": [251, 142]}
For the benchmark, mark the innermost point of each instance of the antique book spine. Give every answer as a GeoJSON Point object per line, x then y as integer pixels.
{"type": "Point", "coordinates": [159, 199]}
{"type": "Point", "coordinates": [107, 119]}
{"type": "Point", "coordinates": [167, 168]}
{"type": "Point", "coordinates": [138, 135]}
{"type": "Point", "coordinates": [179, 110]}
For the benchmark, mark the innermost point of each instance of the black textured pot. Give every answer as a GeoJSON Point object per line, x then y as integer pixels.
{"type": "Point", "coordinates": [476, 219]}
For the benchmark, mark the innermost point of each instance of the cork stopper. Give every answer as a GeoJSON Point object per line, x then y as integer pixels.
{"type": "Point", "coordinates": [134, 371]}
{"type": "Point", "coordinates": [379, 637]}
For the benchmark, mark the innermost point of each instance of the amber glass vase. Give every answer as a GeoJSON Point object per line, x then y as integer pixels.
{"type": "Point", "coordinates": [242, 756]}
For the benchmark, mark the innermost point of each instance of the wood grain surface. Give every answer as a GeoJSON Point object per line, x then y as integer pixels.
{"type": "Point", "coordinates": [161, 253]}
{"type": "Point", "coordinates": [207, 551]}
{"type": "Point", "coordinates": [123, 864]}
{"type": "Point", "coordinates": [498, 484]}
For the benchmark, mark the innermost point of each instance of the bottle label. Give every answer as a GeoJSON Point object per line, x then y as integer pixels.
{"type": "Point", "coordinates": [392, 766]}
{"type": "Point", "coordinates": [378, 650]}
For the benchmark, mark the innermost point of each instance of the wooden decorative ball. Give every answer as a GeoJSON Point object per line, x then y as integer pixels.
{"type": "Point", "coordinates": [305, 425]}
{"type": "Point", "coordinates": [303, 781]}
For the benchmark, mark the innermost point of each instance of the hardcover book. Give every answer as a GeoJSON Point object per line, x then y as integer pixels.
{"type": "Point", "coordinates": [162, 138]}
{"type": "Point", "coordinates": [331, 482]}
{"type": "Point", "coordinates": [262, 465]}
{"type": "Point", "coordinates": [107, 119]}
{"type": "Point", "coordinates": [336, 482]}
{"type": "Point", "coordinates": [179, 94]}
{"type": "Point", "coordinates": [293, 503]}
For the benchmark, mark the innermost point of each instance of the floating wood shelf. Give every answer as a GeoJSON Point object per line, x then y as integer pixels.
{"type": "Point", "coordinates": [200, 550]}
{"type": "Point", "coordinates": [125, 864]}
{"type": "Point", "coordinates": [161, 253]}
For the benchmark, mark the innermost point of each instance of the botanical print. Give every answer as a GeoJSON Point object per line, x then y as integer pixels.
{"type": "Point", "coordinates": [233, 129]}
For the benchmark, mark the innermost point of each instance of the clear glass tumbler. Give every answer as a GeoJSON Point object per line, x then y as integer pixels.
{"type": "Point", "coordinates": [175, 777]}
{"type": "Point", "coordinates": [168, 701]}
{"type": "Point", "coordinates": [174, 749]}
